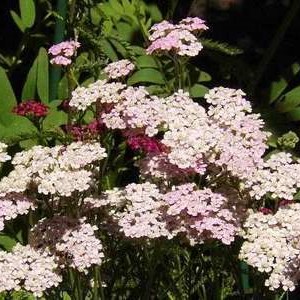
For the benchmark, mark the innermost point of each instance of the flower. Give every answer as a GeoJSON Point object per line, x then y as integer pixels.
{"type": "Point", "coordinates": [119, 69]}
{"type": "Point", "coordinates": [31, 108]}
{"type": "Point", "coordinates": [61, 53]}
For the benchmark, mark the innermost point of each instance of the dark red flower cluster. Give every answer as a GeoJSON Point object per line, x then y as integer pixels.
{"type": "Point", "coordinates": [146, 144]}
{"type": "Point", "coordinates": [31, 108]}
{"type": "Point", "coordinates": [84, 132]}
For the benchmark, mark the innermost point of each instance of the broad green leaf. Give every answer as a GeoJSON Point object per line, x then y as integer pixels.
{"type": "Point", "coordinates": [198, 90]}
{"type": "Point", "coordinates": [146, 61]}
{"type": "Point", "coordinates": [6, 242]}
{"type": "Point", "coordinates": [146, 75]}
{"type": "Point", "coordinates": [204, 77]}
{"type": "Point", "coordinates": [55, 119]}
{"type": "Point", "coordinates": [7, 96]}
{"type": "Point", "coordinates": [27, 9]}
{"type": "Point", "coordinates": [43, 75]}
{"type": "Point", "coordinates": [17, 20]}
{"type": "Point", "coordinates": [13, 126]}
{"type": "Point", "coordinates": [291, 100]}
{"type": "Point", "coordinates": [29, 89]}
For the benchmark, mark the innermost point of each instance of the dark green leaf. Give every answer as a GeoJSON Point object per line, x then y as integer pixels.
{"type": "Point", "coordinates": [7, 96]}
{"type": "Point", "coordinates": [43, 76]}
{"type": "Point", "coordinates": [109, 51]}
{"type": "Point", "coordinates": [146, 75]}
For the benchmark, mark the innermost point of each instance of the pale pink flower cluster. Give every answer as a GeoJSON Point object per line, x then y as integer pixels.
{"type": "Point", "coordinates": [200, 214]}
{"type": "Point", "coordinates": [119, 69]}
{"type": "Point", "coordinates": [12, 205]}
{"type": "Point", "coordinates": [142, 215]}
{"type": "Point", "coordinates": [60, 170]}
{"type": "Point", "coordinates": [228, 134]}
{"type": "Point", "coordinates": [272, 246]}
{"type": "Point", "coordinates": [144, 211]}
{"type": "Point", "coordinates": [28, 269]}
{"type": "Point", "coordinates": [62, 53]}
{"type": "Point", "coordinates": [3, 154]}
{"type": "Point", "coordinates": [72, 241]}
{"type": "Point", "coordinates": [100, 90]}
{"type": "Point", "coordinates": [279, 176]}
{"type": "Point", "coordinates": [179, 39]}
{"type": "Point", "coordinates": [241, 141]}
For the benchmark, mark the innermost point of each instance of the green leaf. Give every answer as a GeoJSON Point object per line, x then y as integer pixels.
{"type": "Point", "coordinates": [43, 75]}
{"type": "Point", "coordinates": [154, 12]}
{"type": "Point", "coordinates": [204, 77]}
{"type": "Point", "coordinates": [117, 6]}
{"type": "Point", "coordinates": [146, 75]}
{"type": "Point", "coordinates": [27, 9]}
{"type": "Point", "coordinates": [17, 20]}
{"type": "Point", "coordinates": [294, 115]}
{"type": "Point", "coordinates": [55, 119]}
{"type": "Point", "coordinates": [29, 88]}
{"type": "Point", "coordinates": [221, 47]}
{"type": "Point", "coordinates": [198, 90]}
{"type": "Point", "coordinates": [63, 89]}
{"type": "Point", "coordinates": [13, 126]}
{"type": "Point", "coordinates": [276, 89]}
{"type": "Point", "coordinates": [119, 47]}
{"type": "Point", "coordinates": [146, 61]}
{"type": "Point", "coordinates": [291, 100]}
{"type": "Point", "coordinates": [7, 242]}
{"type": "Point", "coordinates": [7, 96]}
{"type": "Point", "coordinates": [108, 50]}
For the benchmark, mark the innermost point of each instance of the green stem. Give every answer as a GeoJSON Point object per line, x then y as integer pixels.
{"type": "Point", "coordinates": [275, 43]}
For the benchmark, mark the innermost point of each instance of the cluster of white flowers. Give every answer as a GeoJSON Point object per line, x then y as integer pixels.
{"type": "Point", "coordinates": [3, 154]}
{"type": "Point", "coordinates": [13, 205]}
{"type": "Point", "coordinates": [279, 176]}
{"type": "Point", "coordinates": [272, 245]}
{"type": "Point", "coordinates": [101, 90]}
{"type": "Point", "coordinates": [71, 240]}
{"type": "Point", "coordinates": [58, 170]}
{"type": "Point", "coordinates": [29, 269]}
{"type": "Point", "coordinates": [119, 69]}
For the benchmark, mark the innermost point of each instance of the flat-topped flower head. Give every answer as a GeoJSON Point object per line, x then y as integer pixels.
{"type": "Point", "coordinates": [62, 53]}
{"type": "Point", "coordinates": [119, 69]}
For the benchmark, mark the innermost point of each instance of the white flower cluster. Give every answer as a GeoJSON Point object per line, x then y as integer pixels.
{"type": "Point", "coordinates": [73, 241]}
{"type": "Point", "coordinates": [29, 269]}
{"type": "Point", "coordinates": [279, 176]}
{"type": "Point", "coordinates": [100, 90]}
{"type": "Point", "coordinates": [60, 170]}
{"type": "Point", "coordinates": [119, 69]}
{"type": "Point", "coordinates": [3, 154]}
{"type": "Point", "coordinates": [272, 246]}
{"type": "Point", "coordinates": [139, 214]}
{"type": "Point", "coordinates": [13, 205]}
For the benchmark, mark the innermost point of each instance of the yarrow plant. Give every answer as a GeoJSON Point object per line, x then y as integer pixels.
{"type": "Point", "coordinates": [136, 178]}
